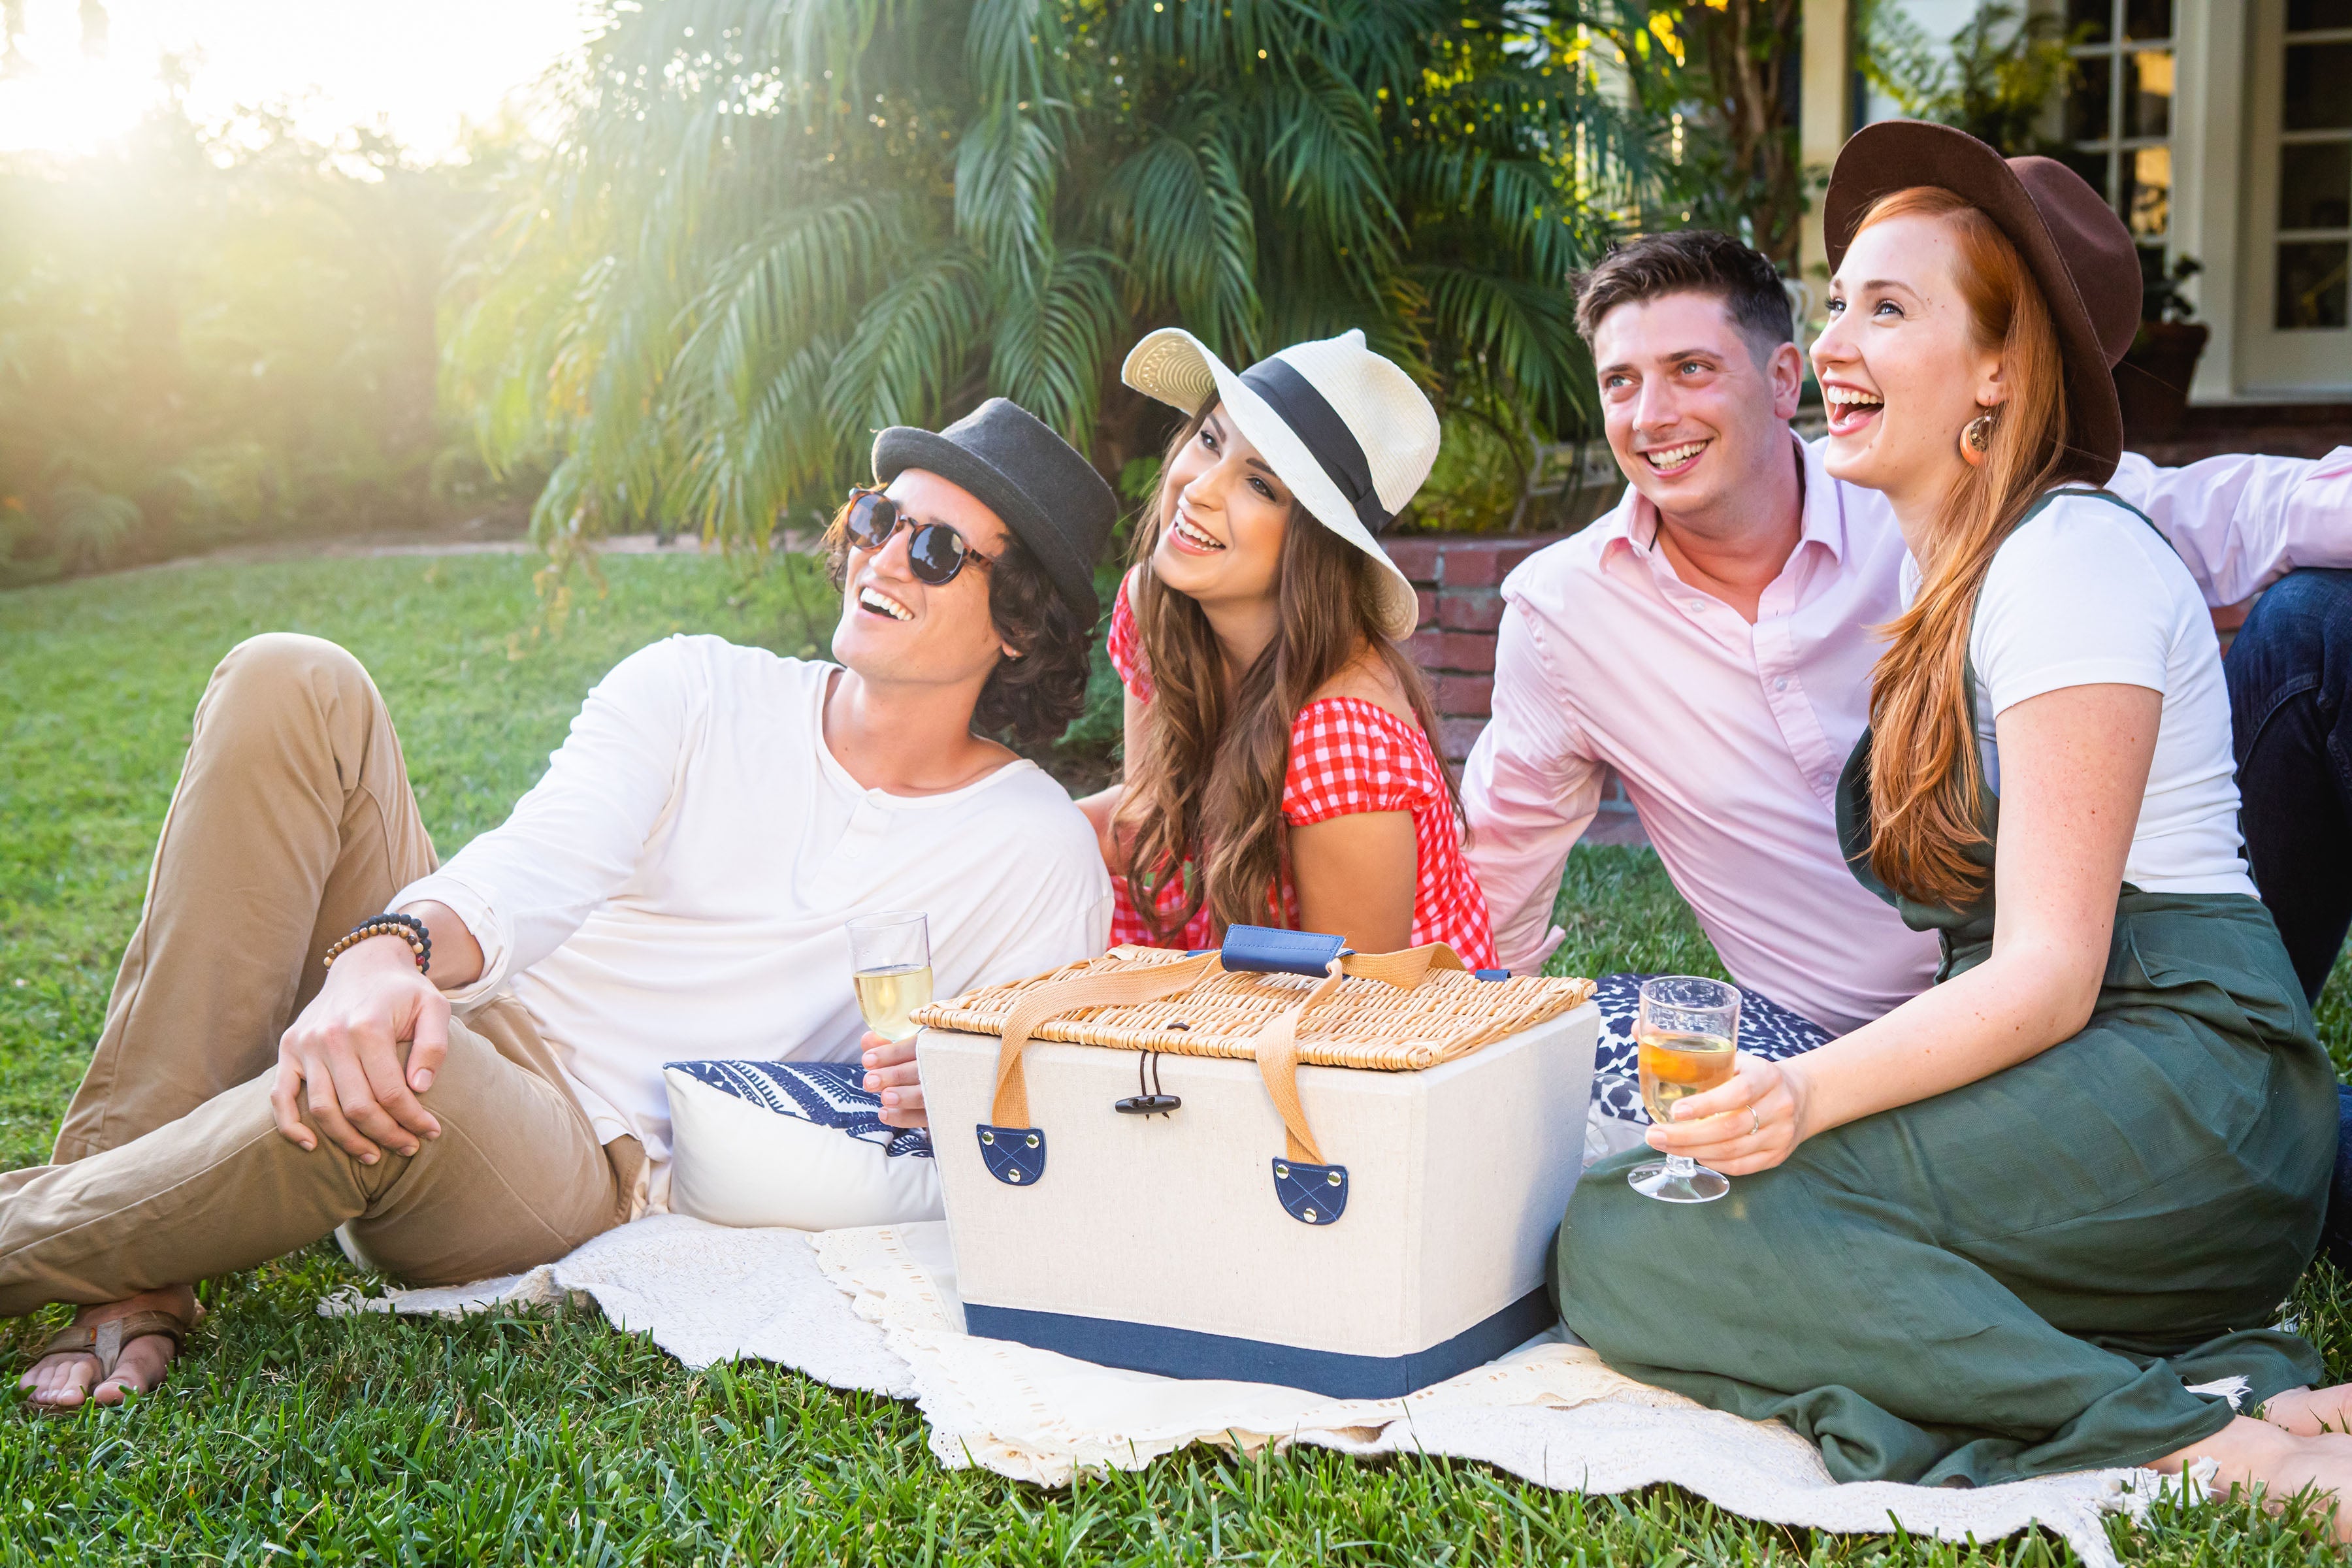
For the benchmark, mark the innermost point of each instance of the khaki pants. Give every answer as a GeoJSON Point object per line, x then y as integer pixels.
{"type": "Point", "coordinates": [293, 822]}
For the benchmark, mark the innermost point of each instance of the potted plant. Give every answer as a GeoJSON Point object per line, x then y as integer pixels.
{"type": "Point", "coordinates": [2152, 382]}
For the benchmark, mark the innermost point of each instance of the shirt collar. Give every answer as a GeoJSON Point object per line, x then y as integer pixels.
{"type": "Point", "coordinates": [1632, 523]}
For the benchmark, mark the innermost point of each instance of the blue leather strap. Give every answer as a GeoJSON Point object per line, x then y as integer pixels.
{"type": "Point", "coordinates": [1013, 1155]}
{"type": "Point", "coordinates": [1267, 950]}
{"type": "Point", "coordinates": [1313, 1195]}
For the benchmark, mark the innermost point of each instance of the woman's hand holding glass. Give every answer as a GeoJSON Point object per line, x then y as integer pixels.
{"type": "Point", "coordinates": [1748, 1124]}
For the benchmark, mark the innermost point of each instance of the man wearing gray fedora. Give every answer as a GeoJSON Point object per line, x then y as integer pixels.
{"type": "Point", "coordinates": [458, 1066]}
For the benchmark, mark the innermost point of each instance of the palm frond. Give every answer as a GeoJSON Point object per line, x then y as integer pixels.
{"type": "Point", "coordinates": [1053, 346]}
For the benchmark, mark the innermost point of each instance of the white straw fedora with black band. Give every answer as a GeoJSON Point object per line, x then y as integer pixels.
{"type": "Point", "coordinates": [1346, 430]}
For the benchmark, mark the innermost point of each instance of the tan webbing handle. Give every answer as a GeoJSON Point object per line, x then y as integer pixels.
{"type": "Point", "coordinates": [1277, 1045]}
{"type": "Point", "coordinates": [1116, 989]}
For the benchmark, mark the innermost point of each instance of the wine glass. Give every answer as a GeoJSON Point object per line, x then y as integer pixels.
{"type": "Point", "coordinates": [890, 962]}
{"type": "Point", "coordinates": [1685, 1031]}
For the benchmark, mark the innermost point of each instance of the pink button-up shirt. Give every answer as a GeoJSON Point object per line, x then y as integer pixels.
{"type": "Point", "coordinates": [1730, 737]}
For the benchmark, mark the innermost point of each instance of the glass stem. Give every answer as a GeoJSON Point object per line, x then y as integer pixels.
{"type": "Point", "coordinates": [1681, 1167]}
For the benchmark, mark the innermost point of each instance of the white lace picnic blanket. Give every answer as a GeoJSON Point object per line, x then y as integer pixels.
{"type": "Point", "coordinates": [875, 1309]}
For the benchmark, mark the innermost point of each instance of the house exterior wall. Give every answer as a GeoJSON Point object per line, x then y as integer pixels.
{"type": "Point", "coordinates": [2222, 190]}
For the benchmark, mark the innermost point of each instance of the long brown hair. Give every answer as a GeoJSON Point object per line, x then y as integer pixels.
{"type": "Point", "coordinates": [1206, 784]}
{"type": "Point", "coordinates": [1926, 776]}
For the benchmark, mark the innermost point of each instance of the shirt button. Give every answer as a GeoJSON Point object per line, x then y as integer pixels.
{"type": "Point", "coordinates": [1781, 684]}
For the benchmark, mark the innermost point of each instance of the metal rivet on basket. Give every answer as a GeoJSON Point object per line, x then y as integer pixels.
{"type": "Point", "coordinates": [1331, 1178]}
{"type": "Point", "coordinates": [1308, 1217]}
{"type": "Point", "coordinates": [1283, 1170]}
{"type": "Point", "coordinates": [988, 1137]}
{"type": "Point", "coordinates": [1032, 1139]}
{"type": "Point", "coordinates": [1012, 1172]}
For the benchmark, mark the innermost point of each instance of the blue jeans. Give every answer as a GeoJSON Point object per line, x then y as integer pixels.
{"type": "Point", "coordinates": [2291, 706]}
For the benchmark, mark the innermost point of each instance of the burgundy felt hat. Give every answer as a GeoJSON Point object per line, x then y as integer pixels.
{"type": "Point", "coordinates": [2071, 241]}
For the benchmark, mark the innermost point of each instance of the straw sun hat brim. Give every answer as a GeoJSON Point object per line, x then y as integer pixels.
{"type": "Point", "coordinates": [1176, 368]}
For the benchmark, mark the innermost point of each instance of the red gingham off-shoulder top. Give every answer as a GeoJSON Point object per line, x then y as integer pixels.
{"type": "Point", "coordinates": [1347, 755]}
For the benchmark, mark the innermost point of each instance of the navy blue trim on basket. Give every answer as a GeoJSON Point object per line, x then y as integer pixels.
{"type": "Point", "coordinates": [1183, 1352]}
{"type": "Point", "coordinates": [1312, 1195]}
{"type": "Point", "coordinates": [1013, 1155]}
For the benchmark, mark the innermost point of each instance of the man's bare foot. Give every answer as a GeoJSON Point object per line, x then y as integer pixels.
{"type": "Point", "coordinates": [2251, 1453]}
{"type": "Point", "coordinates": [67, 1379]}
{"type": "Point", "coordinates": [2308, 1412]}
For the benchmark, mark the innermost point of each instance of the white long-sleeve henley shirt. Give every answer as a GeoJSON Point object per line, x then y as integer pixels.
{"type": "Point", "coordinates": [678, 884]}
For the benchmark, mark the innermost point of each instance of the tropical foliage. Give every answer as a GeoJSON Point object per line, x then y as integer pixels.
{"type": "Point", "coordinates": [1996, 79]}
{"type": "Point", "coordinates": [1721, 77]}
{"type": "Point", "coordinates": [772, 226]}
{"type": "Point", "coordinates": [216, 335]}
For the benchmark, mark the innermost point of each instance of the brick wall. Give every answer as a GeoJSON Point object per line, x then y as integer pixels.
{"type": "Point", "coordinates": [1460, 577]}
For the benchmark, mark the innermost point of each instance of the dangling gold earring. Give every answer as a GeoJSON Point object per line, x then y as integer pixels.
{"type": "Point", "coordinates": [1976, 438]}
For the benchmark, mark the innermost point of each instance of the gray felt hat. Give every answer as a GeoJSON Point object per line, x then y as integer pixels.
{"type": "Point", "coordinates": [1048, 495]}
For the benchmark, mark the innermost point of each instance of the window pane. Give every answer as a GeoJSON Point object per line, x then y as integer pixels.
{"type": "Point", "coordinates": [2316, 184]}
{"type": "Point", "coordinates": [2092, 166]}
{"type": "Point", "coordinates": [2310, 15]}
{"type": "Point", "coordinates": [2148, 94]}
{"type": "Point", "coordinates": [2086, 105]}
{"type": "Point", "coordinates": [2318, 86]}
{"type": "Point", "coordinates": [2097, 17]}
{"type": "Point", "coordinates": [2311, 283]}
{"type": "Point", "coordinates": [2147, 18]}
{"type": "Point", "coordinates": [2146, 200]}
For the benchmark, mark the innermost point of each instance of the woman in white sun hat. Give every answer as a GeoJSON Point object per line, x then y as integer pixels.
{"type": "Point", "coordinates": [1281, 760]}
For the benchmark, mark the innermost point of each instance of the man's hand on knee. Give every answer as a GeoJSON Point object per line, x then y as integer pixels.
{"type": "Point", "coordinates": [890, 1072]}
{"type": "Point", "coordinates": [344, 1060]}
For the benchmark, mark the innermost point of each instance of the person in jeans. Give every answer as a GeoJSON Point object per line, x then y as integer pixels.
{"type": "Point", "coordinates": [2038, 1217]}
{"type": "Point", "coordinates": [1711, 640]}
{"type": "Point", "coordinates": [475, 1086]}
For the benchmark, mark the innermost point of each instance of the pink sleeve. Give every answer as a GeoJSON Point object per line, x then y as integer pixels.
{"type": "Point", "coordinates": [1126, 648]}
{"type": "Point", "coordinates": [1532, 788]}
{"type": "Point", "coordinates": [2241, 522]}
{"type": "Point", "coordinates": [1349, 756]}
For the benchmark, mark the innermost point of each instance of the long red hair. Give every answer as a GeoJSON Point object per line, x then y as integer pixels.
{"type": "Point", "coordinates": [1925, 777]}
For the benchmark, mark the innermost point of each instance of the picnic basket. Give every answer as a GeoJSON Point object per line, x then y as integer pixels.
{"type": "Point", "coordinates": [1104, 1201]}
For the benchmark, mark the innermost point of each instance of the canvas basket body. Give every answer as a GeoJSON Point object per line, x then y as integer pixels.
{"type": "Point", "coordinates": [1274, 1162]}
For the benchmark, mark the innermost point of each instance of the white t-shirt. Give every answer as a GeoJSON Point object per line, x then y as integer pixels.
{"type": "Point", "coordinates": [678, 884]}
{"type": "Point", "coordinates": [2084, 593]}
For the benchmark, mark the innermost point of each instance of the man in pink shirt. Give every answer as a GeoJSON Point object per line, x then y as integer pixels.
{"type": "Point", "coordinates": [1712, 640]}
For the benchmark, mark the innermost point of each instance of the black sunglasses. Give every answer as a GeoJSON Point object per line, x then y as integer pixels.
{"type": "Point", "coordinates": [935, 552]}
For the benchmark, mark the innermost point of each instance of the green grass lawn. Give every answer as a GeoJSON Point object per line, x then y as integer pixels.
{"type": "Point", "coordinates": [288, 1437]}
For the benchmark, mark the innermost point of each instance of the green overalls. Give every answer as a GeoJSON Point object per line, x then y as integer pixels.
{"type": "Point", "coordinates": [2029, 1273]}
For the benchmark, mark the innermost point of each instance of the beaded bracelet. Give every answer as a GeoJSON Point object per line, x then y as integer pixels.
{"type": "Point", "coordinates": [408, 928]}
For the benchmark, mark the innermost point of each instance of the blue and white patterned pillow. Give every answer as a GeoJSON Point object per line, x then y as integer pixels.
{"type": "Point", "coordinates": [798, 1144]}
{"type": "Point", "coordinates": [830, 1094]}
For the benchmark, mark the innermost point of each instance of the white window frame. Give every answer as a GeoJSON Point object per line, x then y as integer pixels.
{"type": "Point", "coordinates": [2271, 363]}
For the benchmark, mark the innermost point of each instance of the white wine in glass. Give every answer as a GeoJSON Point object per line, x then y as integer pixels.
{"type": "Point", "coordinates": [1685, 1033]}
{"type": "Point", "coordinates": [888, 996]}
{"type": "Point", "coordinates": [890, 964]}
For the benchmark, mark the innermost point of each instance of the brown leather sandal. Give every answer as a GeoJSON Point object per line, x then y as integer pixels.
{"type": "Point", "coordinates": [103, 1343]}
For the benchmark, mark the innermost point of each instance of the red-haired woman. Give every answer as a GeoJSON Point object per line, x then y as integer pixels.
{"type": "Point", "coordinates": [1281, 758]}
{"type": "Point", "coordinates": [2040, 1217]}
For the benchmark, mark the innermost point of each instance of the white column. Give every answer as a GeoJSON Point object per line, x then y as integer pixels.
{"type": "Point", "coordinates": [1826, 112]}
